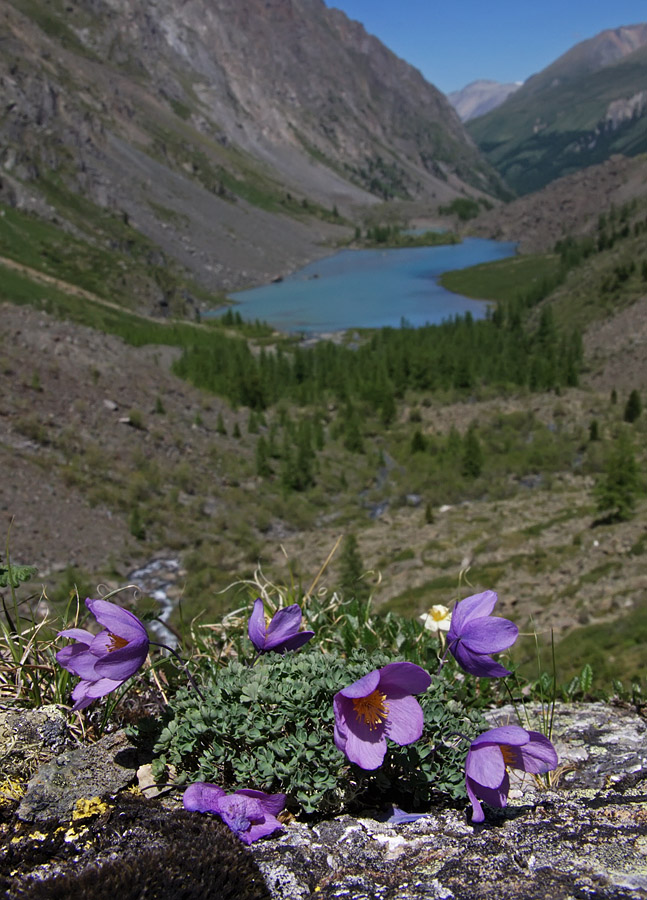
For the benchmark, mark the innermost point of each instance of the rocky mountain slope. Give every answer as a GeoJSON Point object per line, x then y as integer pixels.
{"type": "Point", "coordinates": [479, 97]}
{"type": "Point", "coordinates": [234, 135]}
{"type": "Point", "coordinates": [570, 205]}
{"type": "Point", "coordinates": [584, 107]}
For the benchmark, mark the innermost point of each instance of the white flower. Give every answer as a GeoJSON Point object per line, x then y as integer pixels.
{"type": "Point", "coordinates": [437, 619]}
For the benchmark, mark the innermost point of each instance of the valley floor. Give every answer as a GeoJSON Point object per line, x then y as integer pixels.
{"type": "Point", "coordinates": [91, 428]}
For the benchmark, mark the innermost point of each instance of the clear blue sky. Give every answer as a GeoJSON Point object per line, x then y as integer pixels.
{"type": "Point", "coordinates": [454, 42]}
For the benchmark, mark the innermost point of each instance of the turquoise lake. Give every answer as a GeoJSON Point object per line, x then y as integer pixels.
{"type": "Point", "coordinates": [371, 289]}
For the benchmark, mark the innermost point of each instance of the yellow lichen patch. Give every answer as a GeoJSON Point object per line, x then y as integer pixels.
{"type": "Point", "coordinates": [34, 836]}
{"type": "Point", "coordinates": [134, 790]}
{"type": "Point", "coordinates": [85, 809]}
{"type": "Point", "coordinates": [10, 790]}
{"type": "Point", "coordinates": [73, 835]}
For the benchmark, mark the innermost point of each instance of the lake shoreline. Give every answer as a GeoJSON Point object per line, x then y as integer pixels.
{"type": "Point", "coordinates": [367, 289]}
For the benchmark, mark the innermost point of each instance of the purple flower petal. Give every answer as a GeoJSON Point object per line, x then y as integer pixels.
{"type": "Point", "coordinates": [477, 810]}
{"type": "Point", "coordinates": [401, 678]}
{"type": "Point", "coordinates": [473, 635]}
{"type": "Point", "coordinates": [478, 664]}
{"type": "Point", "coordinates": [78, 660]}
{"type": "Point", "coordinates": [377, 706]}
{"type": "Point", "coordinates": [504, 734]}
{"type": "Point", "coordinates": [489, 635]}
{"type": "Point", "coordinates": [283, 631]}
{"type": "Point", "coordinates": [104, 661]}
{"type": "Point", "coordinates": [87, 691]}
{"type": "Point", "coordinates": [256, 625]}
{"type": "Point", "coordinates": [363, 686]}
{"type": "Point", "coordinates": [122, 665]}
{"type": "Point", "coordinates": [285, 623]}
{"type": "Point", "coordinates": [475, 607]}
{"type": "Point", "coordinates": [294, 642]}
{"type": "Point", "coordinates": [366, 750]}
{"type": "Point", "coordinates": [101, 687]}
{"type": "Point", "coordinates": [537, 756]}
{"type": "Point", "coordinates": [202, 796]}
{"type": "Point", "coordinates": [485, 765]}
{"type": "Point", "coordinates": [249, 814]}
{"type": "Point", "coordinates": [237, 812]}
{"type": "Point", "coordinates": [78, 634]}
{"type": "Point", "coordinates": [68, 656]}
{"type": "Point", "coordinates": [117, 620]}
{"type": "Point", "coordinates": [406, 720]}
{"type": "Point", "coordinates": [497, 797]}
{"type": "Point", "coordinates": [399, 816]}
{"type": "Point", "coordinates": [363, 745]}
{"type": "Point", "coordinates": [492, 752]}
{"type": "Point", "coordinates": [272, 804]}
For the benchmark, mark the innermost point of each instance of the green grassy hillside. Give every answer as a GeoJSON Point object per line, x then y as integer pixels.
{"type": "Point", "coordinates": [550, 128]}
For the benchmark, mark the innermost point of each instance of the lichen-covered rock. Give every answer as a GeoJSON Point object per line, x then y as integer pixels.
{"type": "Point", "coordinates": [101, 769]}
{"type": "Point", "coordinates": [29, 737]}
{"type": "Point", "coordinates": [561, 847]}
{"type": "Point", "coordinates": [596, 743]}
{"type": "Point", "coordinates": [585, 836]}
{"type": "Point", "coordinates": [580, 834]}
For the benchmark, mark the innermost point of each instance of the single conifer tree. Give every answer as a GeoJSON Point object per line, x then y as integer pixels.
{"type": "Point", "coordinates": [472, 454]}
{"type": "Point", "coordinates": [418, 442]}
{"type": "Point", "coordinates": [633, 407]}
{"type": "Point", "coordinates": [617, 489]}
{"type": "Point", "coordinates": [263, 468]}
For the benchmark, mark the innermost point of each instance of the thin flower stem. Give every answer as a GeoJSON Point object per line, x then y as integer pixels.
{"type": "Point", "coordinates": [514, 702]}
{"type": "Point", "coordinates": [183, 664]}
{"type": "Point", "coordinates": [554, 699]}
{"type": "Point", "coordinates": [442, 661]}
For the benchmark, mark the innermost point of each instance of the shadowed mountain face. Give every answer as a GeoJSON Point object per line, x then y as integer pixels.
{"type": "Point", "coordinates": [185, 117]}
{"type": "Point", "coordinates": [584, 107]}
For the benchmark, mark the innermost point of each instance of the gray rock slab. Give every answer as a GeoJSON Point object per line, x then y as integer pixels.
{"type": "Point", "coordinates": [95, 770]}
{"type": "Point", "coordinates": [585, 836]}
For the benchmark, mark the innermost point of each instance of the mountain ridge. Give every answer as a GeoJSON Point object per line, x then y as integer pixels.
{"type": "Point", "coordinates": [583, 108]}
{"type": "Point", "coordinates": [238, 159]}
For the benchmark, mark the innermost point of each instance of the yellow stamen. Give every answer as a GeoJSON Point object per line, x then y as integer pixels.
{"type": "Point", "coordinates": [508, 756]}
{"type": "Point", "coordinates": [117, 643]}
{"type": "Point", "coordinates": [373, 709]}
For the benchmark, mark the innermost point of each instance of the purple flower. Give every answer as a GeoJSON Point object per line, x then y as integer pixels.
{"type": "Point", "coordinates": [250, 814]}
{"type": "Point", "coordinates": [104, 661]}
{"type": "Point", "coordinates": [378, 706]}
{"type": "Point", "coordinates": [473, 635]}
{"type": "Point", "coordinates": [486, 777]}
{"type": "Point", "coordinates": [281, 634]}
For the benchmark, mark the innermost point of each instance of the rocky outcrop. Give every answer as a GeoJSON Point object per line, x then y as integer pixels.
{"type": "Point", "coordinates": [568, 206]}
{"type": "Point", "coordinates": [479, 97]}
{"type": "Point", "coordinates": [581, 834]}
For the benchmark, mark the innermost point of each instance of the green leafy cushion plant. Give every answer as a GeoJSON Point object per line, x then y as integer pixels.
{"type": "Point", "coordinates": [270, 727]}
